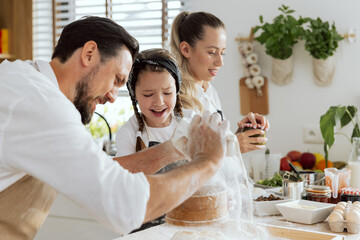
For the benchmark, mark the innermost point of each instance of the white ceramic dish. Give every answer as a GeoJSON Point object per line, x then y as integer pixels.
{"type": "Point", "coordinates": [276, 190]}
{"type": "Point", "coordinates": [304, 211]}
{"type": "Point", "coordinates": [268, 208]}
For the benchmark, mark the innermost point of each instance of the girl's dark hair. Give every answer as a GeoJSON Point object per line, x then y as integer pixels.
{"type": "Point", "coordinates": [154, 53]}
{"type": "Point", "coordinates": [108, 35]}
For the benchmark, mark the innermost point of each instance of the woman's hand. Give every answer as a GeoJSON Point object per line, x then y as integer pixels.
{"type": "Point", "coordinates": [248, 143]}
{"type": "Point", "coordinates": [255, 118]}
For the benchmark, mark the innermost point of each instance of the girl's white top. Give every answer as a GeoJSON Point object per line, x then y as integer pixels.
{"type": "Point", "coordinates": [126, 135]}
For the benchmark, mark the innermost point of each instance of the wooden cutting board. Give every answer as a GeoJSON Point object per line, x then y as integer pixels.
{"type": "Point", "coordinates": [251, 102]}
{"type": "Point", "coordinates": [166, 231]}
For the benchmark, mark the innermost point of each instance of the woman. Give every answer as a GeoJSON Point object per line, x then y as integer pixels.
{"type": "Point", "coordinates": [198, 41]}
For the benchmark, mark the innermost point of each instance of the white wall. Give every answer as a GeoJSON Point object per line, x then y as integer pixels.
{"type": "Point", "coordinates": [301, 102]}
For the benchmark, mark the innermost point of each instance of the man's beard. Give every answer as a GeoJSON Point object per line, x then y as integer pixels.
{"type": "Point", "coordinates": [82, 100]}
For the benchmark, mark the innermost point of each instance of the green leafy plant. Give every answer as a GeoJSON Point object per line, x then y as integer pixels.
{"type": "Point", "coordinates": [275, 181]}
{"type": "Point", "coordinates": [321, 39]}
{"type": "Point", "coordinates": [282, 34]}
{"type": "Point", "coordinates": [337, 115]}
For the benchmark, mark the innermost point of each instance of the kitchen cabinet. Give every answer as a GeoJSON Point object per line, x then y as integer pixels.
{"type": "Point", "coordinates": [16, 15]}
{"type": "Point", "coordinates": [68, 221]}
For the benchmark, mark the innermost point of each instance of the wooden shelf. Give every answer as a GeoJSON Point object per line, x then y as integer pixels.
{"type": "Point", "coordinates": [16, 16]}
{"type": "Point", "coordinates": [5, 56]}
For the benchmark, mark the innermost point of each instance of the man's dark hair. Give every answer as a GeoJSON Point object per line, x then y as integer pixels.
{"type": "Point", "coordinates": [108, 35]}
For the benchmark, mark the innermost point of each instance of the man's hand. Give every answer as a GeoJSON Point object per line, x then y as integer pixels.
{"type": "Point", "coordinates": [207, 138]}
{"type": "Point", "coordinates": [206, 147]}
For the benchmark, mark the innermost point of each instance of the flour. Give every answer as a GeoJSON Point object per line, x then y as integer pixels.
{"type": "Point", "coordinates": [205, 235]}
{"type": "Point", "coordinates": [232, 176]}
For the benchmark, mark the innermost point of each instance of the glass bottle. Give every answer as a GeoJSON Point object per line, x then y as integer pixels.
{"type": "Point", "coordinates": [354, 163]}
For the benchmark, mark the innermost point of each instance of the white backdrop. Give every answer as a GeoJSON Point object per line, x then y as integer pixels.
{"type": "Point", "coordinates": [302, 102]}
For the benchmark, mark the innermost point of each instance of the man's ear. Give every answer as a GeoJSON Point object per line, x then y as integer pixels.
{"type": "Point", "coordinates": [89, 53]}
{"type": "Point", "coordinates": [185, 49]}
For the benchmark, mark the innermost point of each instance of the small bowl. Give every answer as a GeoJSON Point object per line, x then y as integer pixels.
{"type": "Point", "coordinates": [268, 208]}
{"type": "Point", "coordinates": [304, 211]}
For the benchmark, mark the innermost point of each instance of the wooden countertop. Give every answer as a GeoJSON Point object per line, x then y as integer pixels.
{"type": "Point", "coordinates": [276, 225]}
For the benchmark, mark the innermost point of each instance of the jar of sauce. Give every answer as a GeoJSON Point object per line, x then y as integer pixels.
{"type": "Point", "coordinates": [319, 194]}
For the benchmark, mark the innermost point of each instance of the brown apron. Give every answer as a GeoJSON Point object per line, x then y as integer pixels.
{"type": "Point", "coordinates": [24, 206]}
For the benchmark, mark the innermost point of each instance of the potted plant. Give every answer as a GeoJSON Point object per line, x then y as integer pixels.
{"type": "Point", "coordinates": [321, 41]}
{"type": "Point", "coordinates": [279, 37]}
{"type": "Point", "coordinates": [335, 115]}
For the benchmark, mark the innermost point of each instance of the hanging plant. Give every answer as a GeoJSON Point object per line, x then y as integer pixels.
{"type": "Point", "coordinates": [279, 38]}
{"type": "Point", "coordinates": [282, 34]}
{"type": "Point", "coordinates": [321, 39]}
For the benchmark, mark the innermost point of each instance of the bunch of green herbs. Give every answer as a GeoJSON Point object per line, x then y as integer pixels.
{"type": "Point", "coordinates": [321, 39]}
{"type": "Point", "coordinates": [275, 181]}
{"type": "Point", "coordinates": [282, 34]}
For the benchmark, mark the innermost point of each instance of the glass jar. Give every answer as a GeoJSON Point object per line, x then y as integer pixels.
{"type": "Point", "coordinates": [319, 194]}
{"type": "Point", "coordinates": [249, 126]}
{"type": "Point", "coordinates": [350, 194]}
{"type": "Point", "coordinates": [337, 179]}
{"type": "Point", "coordinates": [354, 163]}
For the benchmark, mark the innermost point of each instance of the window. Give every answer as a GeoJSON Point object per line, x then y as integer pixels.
{"type": "Point", "coordinates": [42, 29]}
{"type": "Point", "coordinates": [149, 21]}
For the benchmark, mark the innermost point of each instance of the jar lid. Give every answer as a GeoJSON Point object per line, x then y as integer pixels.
{"type": "Point", "coordinates": [318, 189]}
{"type": "Point", "coordinates": [350, 191]}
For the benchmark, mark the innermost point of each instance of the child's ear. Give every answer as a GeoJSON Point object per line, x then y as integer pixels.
{"type": "Point", "coordinates": [185, 49]}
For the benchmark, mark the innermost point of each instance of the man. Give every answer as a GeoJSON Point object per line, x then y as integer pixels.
{"type": "Point", "coordinates": [45, 149]}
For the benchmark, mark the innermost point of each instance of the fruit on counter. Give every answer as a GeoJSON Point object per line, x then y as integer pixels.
{"type": "Point", "coordinates": [294, 155]}
{"type": "Point", "coordinates": [307, 160]}
{"type": "Point", "coordinates": [318, 157]}
{"type": "Point", "coordinates": [297, 165]}
{"type": "Point", "coordinates": [318, 170]}
{"type": "Point", "coordinates": [322, 165]}
{"type": "Point", "coordinates": [339, 165]}
{"type": "Point", "coordinates": [284, 165]}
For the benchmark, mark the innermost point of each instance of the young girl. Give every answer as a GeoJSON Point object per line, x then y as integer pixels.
{"type": "Point", "coordinates": [154, 83]}
{"type": "Point", "coordinates": [198, 41]}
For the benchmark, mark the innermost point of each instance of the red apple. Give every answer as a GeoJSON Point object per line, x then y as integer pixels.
{"type": "Point", "coordinates": [294, 155]}
{"type": "Point", "coordinates": [284, 165]}
{"type": "Point", "coordinates": [307, 160]}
